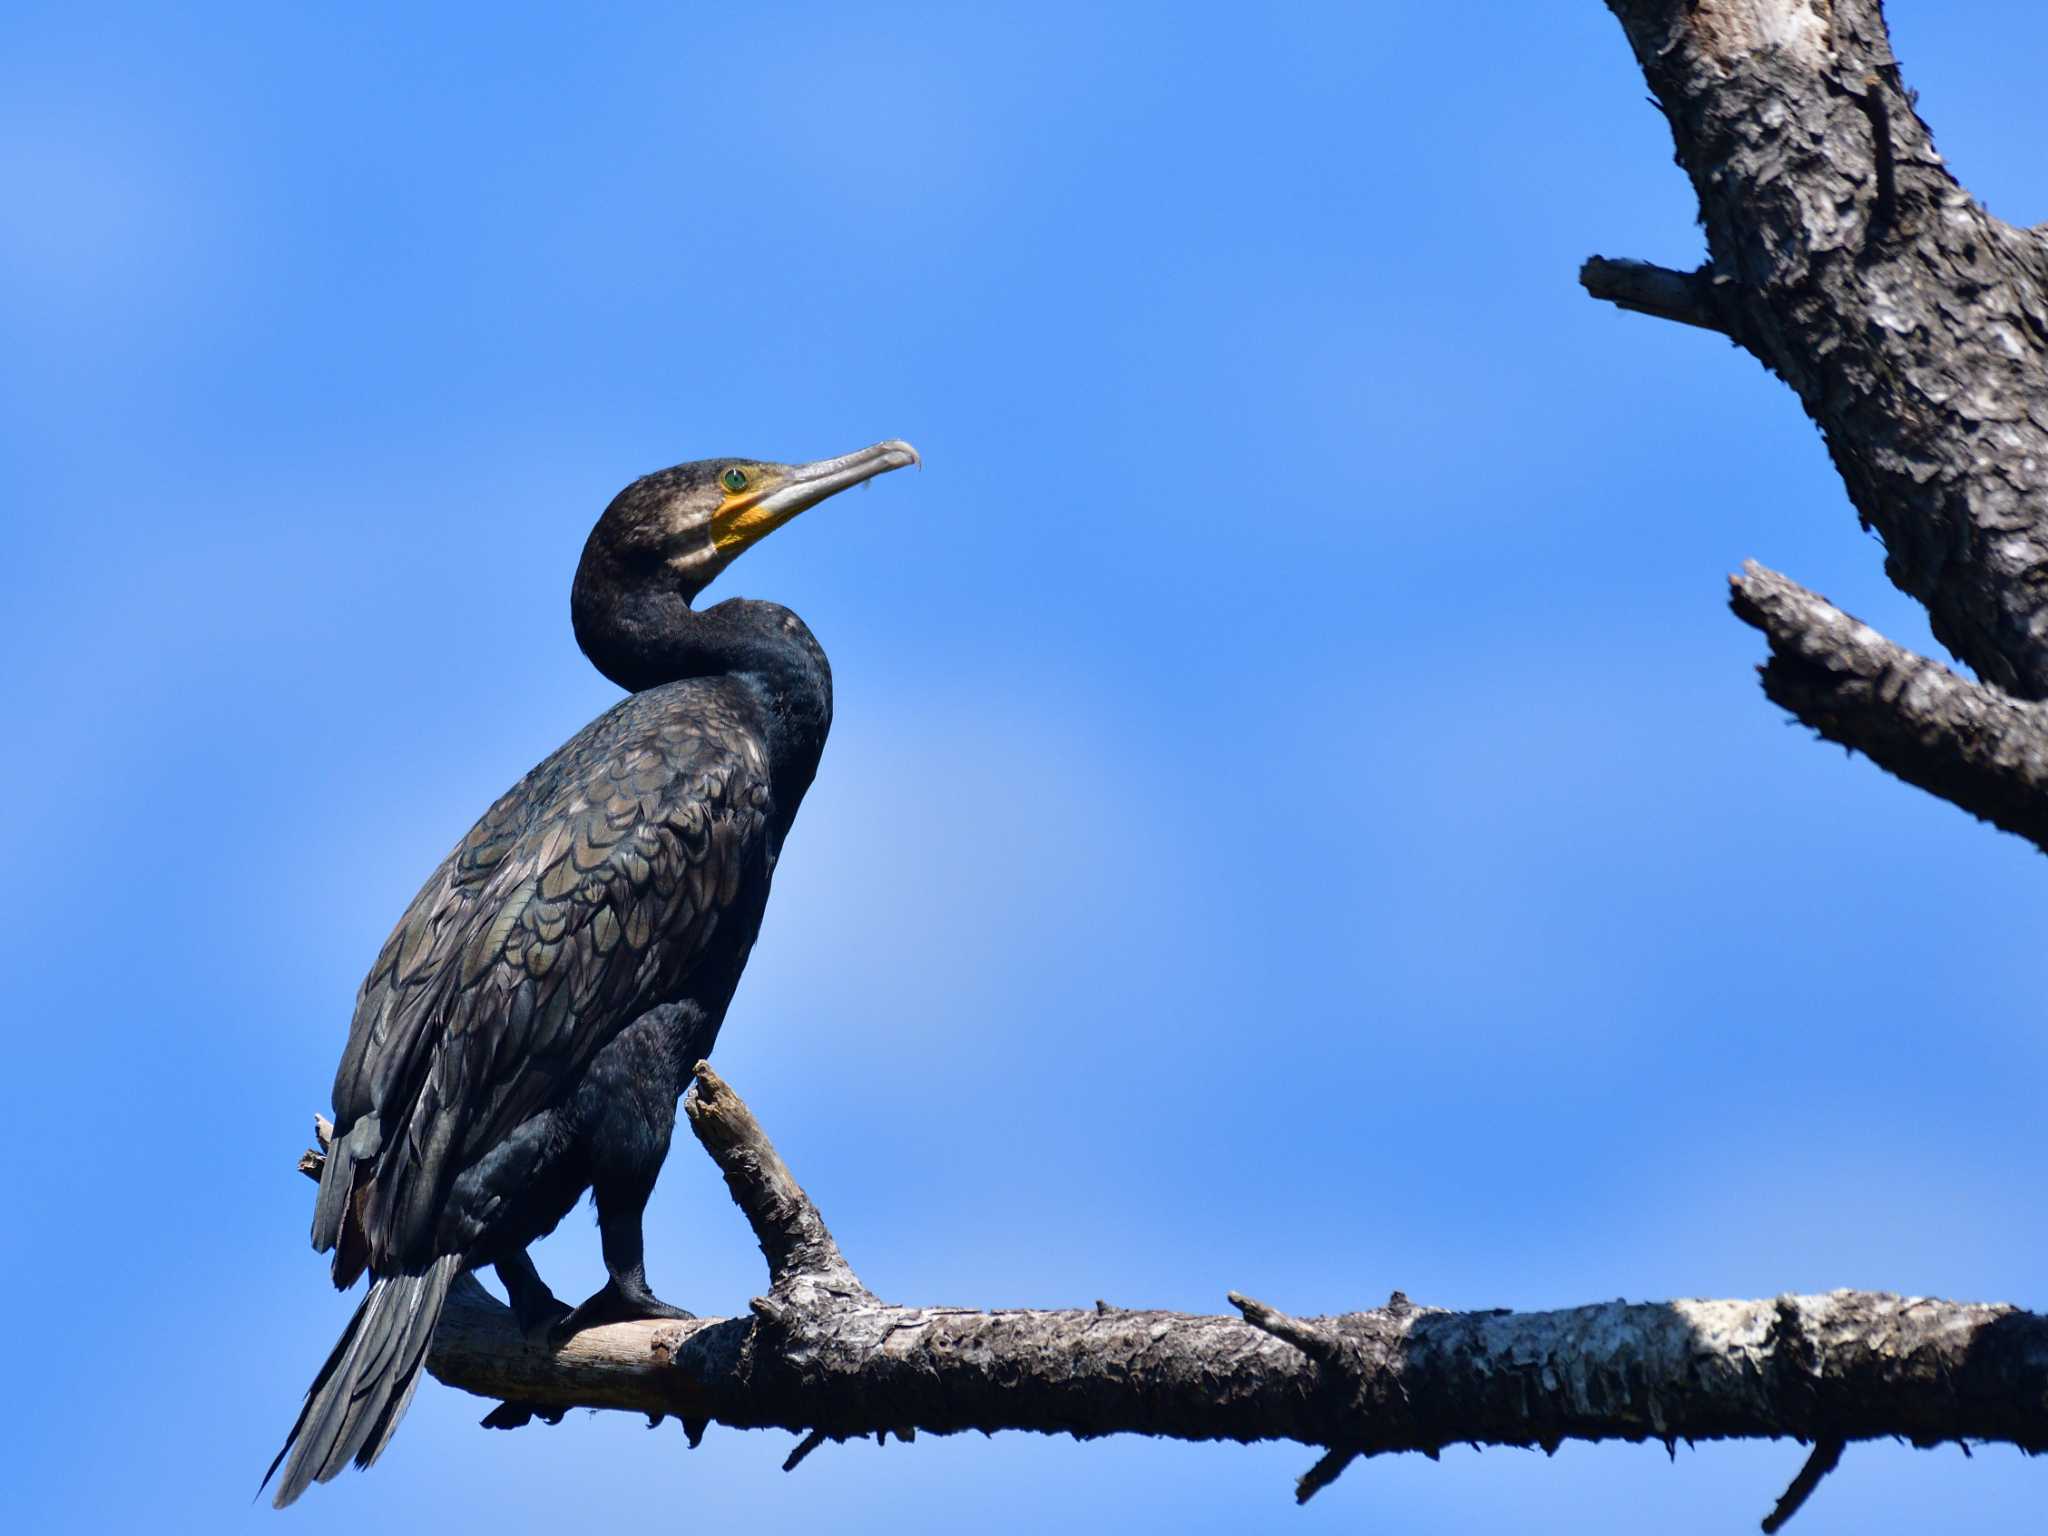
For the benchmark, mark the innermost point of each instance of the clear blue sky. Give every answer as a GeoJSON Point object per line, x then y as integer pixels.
{"type": "Point", "coordinates": [1300, 817]}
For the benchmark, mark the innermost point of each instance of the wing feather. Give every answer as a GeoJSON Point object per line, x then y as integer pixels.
{"type": "Point", "coordinates": [584, 896]}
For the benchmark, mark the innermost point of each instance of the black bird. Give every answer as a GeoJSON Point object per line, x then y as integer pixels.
{"type": "Point", "coordinates": [528, 1026]}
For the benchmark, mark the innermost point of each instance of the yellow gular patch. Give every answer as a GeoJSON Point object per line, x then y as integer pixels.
{"type": "Point", "coordinates": [741, 519]}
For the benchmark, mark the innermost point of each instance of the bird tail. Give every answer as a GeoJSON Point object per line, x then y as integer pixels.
{"type": "Point", "coordinates": [337, 1223]}
{"type": "Point", "coordinates": [355, 1403]}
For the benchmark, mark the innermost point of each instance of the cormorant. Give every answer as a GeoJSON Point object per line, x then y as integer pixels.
{"type": "Point", "coordinates": [527, 1029]}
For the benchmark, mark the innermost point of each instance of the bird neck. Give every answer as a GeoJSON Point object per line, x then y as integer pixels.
{"type": "Point", "coordinates": [642, 637]}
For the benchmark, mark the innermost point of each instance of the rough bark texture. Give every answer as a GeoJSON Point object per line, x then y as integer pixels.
{"type": "Point", "coordinates": [1966, 742]}
{"type": "Point", "coordinates": [1648, 289]}
{"type": "Point", "coordinates": [822, 1355]}
{"type": "Point", "coordinates": [1852, 1363]}
{"type": "Point", "coordinates": [1912, 324]}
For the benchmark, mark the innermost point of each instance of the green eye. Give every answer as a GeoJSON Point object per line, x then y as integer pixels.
{"type": "Point", "coordinates": [734, 479]}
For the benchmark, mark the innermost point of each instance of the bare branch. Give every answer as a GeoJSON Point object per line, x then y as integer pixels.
{"type": "Point", "coordinates": [1926, 1371]}
{"type": "Point", "coordinates": [1912, 324]}
{"type": "Point", "coordinates": [1972, 745]}
{"type": "Point", "coordinates": [1326, 1349]}
{"type": "Point", "coordinates": [828, 1360]}
{"type": "Point", "coordinates": [794, 1239]}
{"type": "Point", "coordinates": [1648, 289]}
{"type": "Point", "coordinates": [1324, 1472]}
{"type": "Point", "coordinates": [1320, 1345]}
{"type": "Point", "coordinates": [1827, 1455]}
{"type": "Point", "coordinates": [804, 1447]}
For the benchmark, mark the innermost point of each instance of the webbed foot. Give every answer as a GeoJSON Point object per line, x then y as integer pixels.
{"type": "Point", "coordinates": [616, 1304]}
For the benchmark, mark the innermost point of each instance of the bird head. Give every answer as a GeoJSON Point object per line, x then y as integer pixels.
{"type": "Point", "coordinates": [667, 535]}
{"type": "Point", "coordinates": [682, 526]}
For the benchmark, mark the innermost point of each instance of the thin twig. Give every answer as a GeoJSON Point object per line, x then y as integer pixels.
{"type": "Point", "coordinates": [1327, 1351]}
{"type": "Point", "coordinates": [1324, 1472]}
{"type": "Point", "coordinates": [1323, 1348]}
{"type": "Point", "coordinates": [1827, 1455]}
{"type": "Point", "coordinates": [808, 1444]}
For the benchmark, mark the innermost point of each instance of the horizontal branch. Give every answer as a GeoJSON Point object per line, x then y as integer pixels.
{"type": "Point", "coordinates": [1648, 289]}
{"type": "Point", "coordinates": [832, 1360]}
{"type": "Point", "coordinates": [1852, 1364]}
{"type": "Point", "coordinates": [1972, 745]}
{"type": "Point", "coordinates": [821, 1356]}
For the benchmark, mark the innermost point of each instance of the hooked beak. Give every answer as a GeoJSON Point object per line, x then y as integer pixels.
{"type": "Point", "coordinates": [745, 520]}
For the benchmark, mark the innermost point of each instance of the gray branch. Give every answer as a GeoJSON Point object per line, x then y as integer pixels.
{"type": "Point", "coordinates": [823, 1357]}
{"type": "Point", "coordinates": [805, 1266]}
{"type": "Point", "coordinates": [1648, 289]}
{"type": "Point", "coordinates": [1912, 324]}
{"type": "Point", "coordinates": [1970, 744]}
{"type": "Point", "coordinates": [1855, 1364]}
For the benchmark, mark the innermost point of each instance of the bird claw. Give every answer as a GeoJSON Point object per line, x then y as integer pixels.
{"type": "Point", "coordinates": [612, 1305]}
{"type": "Point", "coordinates": [519, 1415]}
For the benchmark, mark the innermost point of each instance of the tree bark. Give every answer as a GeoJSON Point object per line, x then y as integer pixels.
{"type": "Point", "coordinates": [1913, 326]}
{"type": "Point", "coordinates": [821, 1355]}
{"type": "Point", "coordinates": [1966, 742]}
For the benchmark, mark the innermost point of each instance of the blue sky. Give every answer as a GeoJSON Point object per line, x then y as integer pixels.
{"type": "Point", "coordinates": [1300, 818]}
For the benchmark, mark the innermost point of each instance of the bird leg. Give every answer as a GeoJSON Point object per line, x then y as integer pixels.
{"type": "Point", "coordinates": [625, 1297]}
{"type": "Point", "coordinates": [536, 1307]}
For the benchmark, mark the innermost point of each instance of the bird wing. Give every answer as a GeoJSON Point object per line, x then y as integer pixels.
{"type": "Point", "coordinates": [582, 897]}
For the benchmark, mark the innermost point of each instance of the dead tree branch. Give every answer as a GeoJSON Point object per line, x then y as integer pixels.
{"type": "Point", "coordinates": [821, 1356]}
{"type": "Point", "coordinates": [1827, 1455]}
{"type": "Point", "coordinates": [1648, 289]}
{"type": "Point", "coordinates": [1912, 324]}
{"type": "Point", "coordinates": [1966, 742]}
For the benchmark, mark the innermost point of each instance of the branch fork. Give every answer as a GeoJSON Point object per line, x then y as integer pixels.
{"type": "Point", "coordinates": [821, 1355]}
{"type": "Point", "coordinates": [1913, 325]}
{"type": "Point", "coordinates": [806, 1270]}
{"type": "Point", "coordinates": [1335, 1365]}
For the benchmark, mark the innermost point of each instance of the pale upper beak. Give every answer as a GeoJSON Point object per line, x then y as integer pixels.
{"type": "Point", "coordinates": [744, 520]}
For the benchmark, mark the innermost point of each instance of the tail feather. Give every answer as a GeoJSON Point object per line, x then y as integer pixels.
{"type": "Point", "coordinates": [334, 1205]}
{"type": "Point", "coordinates": [355, 1403]}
